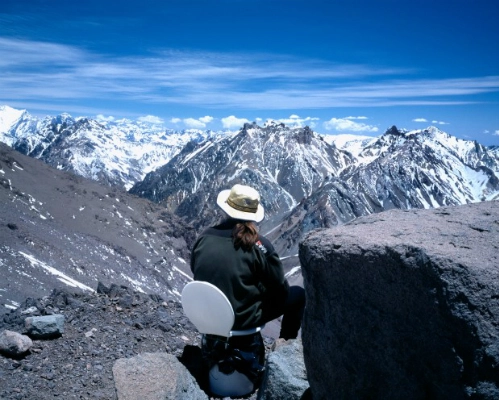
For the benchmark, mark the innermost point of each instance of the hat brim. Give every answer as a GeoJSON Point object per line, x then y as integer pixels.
{"type": "Point", "coordinates": [236, 214]}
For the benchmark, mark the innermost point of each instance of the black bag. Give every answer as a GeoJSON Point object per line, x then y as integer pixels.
{"type": "Point", "coordinates": [245, 354]}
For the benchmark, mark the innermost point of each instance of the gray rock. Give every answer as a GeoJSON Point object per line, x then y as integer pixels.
{"type": "Point", "coordinates": [47, 326]}
{"type": "Point", "coordinates": [404, 305]}
{"type": "Point", "coordinates": [14, 344]}
{"type": "Point", "coordinates": [154, 376]}
{"type": "Point", "coordinates": [285, 374]}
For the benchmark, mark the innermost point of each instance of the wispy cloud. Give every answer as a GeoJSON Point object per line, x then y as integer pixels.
{"type": "Point", "coordinates": [420, 120]}
{"type": "Point", "coordinates": [151, 119]}
{"type": "Point", "coordinates": [496, 133]}
{"type": "Point", "coordinates": [296, 121]}
{"type": "Point", "coordinates": [348, 125]}
{"type": "Point", "coordinates": [63, 74]}
{"type": "Point", "coordinates": [195, 123]}
{"type": "Point", "coordinates": [103, 118]}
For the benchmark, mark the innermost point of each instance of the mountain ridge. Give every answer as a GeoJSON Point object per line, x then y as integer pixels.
{"type": "Point", "coordinates": [305, 180]}
{"type": "Point", "coordinates": [118, 153]}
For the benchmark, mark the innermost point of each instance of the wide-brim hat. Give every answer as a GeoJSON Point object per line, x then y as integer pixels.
{"type": "Point", "coordinates": [241, 202]}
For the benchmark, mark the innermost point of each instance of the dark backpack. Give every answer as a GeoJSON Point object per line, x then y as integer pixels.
{"type": "Point", "coordinates": [245, 354]}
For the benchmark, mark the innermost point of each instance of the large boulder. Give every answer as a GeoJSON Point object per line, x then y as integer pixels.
{"type": "Point", "coordinates": [404, 305]}
{"type": "Point", "coordinates": [154, 376]}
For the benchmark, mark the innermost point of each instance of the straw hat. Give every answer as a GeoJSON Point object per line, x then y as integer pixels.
{"type": "Point", "coordinates": [241, 202]}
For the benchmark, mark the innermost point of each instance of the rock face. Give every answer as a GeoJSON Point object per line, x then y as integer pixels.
{"type": "Point", "coordinates": [404, 305]}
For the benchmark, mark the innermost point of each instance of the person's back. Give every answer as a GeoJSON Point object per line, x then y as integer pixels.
{"type": "Point", "coordinates": [245, 266]}
{"type": "Point", "coordinates": [247, 277]}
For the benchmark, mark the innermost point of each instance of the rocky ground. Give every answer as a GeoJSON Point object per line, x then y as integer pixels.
{"type": "Point", "coordinates": [100, 328]}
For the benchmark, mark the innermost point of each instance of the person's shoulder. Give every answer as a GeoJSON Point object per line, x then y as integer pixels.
{"type": "Point", "coordinates": [264, 245]}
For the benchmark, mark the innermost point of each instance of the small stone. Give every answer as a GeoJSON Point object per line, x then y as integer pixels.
{"type": "Point", "coordinates": [90, 333]}
{"type": "Point", "coordinates": [49, 376]}
{"type": "Point", "coordinates": [14, 344]}
{"type": "Point", "coordinates": [27, 367]}
{"type": "Point", "coordinates": [30, 310]}
{"type": "Point", "coordinates": [46, 326]}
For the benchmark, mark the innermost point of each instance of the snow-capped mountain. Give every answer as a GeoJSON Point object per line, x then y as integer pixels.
{"type": "Point", "coordinates": [306, 180]}
{"type": "Point", "coordinates": [307, 183]}
{"type": "Point", "coordinates": [117, 152]}
{"type": "Point", "coordinates": [286, 164]}
{"type": "Point", "coordinates": [349, 142]}
{"type": "Point", "coordinates": [426, 168]}
{"type": "Point", "coordinates": [401, 169]}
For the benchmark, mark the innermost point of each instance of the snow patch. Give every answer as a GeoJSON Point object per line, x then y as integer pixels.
{"type": "Point", "coordinates": [60, 275]}
{"type": "Point", "coordinates": [136, 284]}
{"type": "Point", "coordinates": [293, 271]}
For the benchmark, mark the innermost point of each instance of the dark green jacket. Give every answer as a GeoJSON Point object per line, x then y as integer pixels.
{"type": "Point", "coordinates": [253, 281]}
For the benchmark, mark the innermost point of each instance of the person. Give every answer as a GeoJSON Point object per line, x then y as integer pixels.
{"type": "Point", "coordinates": [245, 266]}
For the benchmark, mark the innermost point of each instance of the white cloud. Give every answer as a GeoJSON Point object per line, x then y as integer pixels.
{"type": "Point", "coordinates": [233, 122]}
{"type": "Point", "coordinates": [433, 122]}
{"type": "Point", "coordinates": [103, 118]}
{"type": "Point", "coordinates": [347, 125]}
{"type": "Point", "coordinates": [193, 123]}
{"type": "Point", "coordinates": [361, 117]}
{"type": "Point", "coordinates": [151, 119]}
{"type": "Point", "coordinates": [496, 133]}
{"type": "Point", "coordinates": [295, 121]}
{"type": "Point", "coordinates": [207, 119]}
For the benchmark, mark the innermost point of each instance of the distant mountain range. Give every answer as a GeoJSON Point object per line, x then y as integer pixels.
{"type": "Point", "coordinates": [118, 153]}
{"type": "Point", "coordinates": [306, 180]}
{"type": "Point", "coordinates": [307, 183]}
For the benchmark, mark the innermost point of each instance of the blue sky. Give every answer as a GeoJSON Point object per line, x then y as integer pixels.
{"type": "Point", "coordinates": [339, 66]}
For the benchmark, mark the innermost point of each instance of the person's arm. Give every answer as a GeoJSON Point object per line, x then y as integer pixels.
{"type": "Point", "coordinates": [271, 270]}
{"type": "Point", "coordinates": [193, 254]}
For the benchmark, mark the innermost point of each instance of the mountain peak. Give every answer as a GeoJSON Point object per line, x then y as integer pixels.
{"type": "Point", "coordinates": [270, 123]}
{"type": "Point", "coordinates": [63, 118]}
{"type": "Point", "coordinates": [394, 131]}
{"type": "Point", "coordinates": [304, 135]}
{"type": "Point", "coordinates": [9, 117]}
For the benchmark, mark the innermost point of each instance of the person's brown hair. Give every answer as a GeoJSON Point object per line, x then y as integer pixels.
{"type": "Point", "coordinates": [245, 235]}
